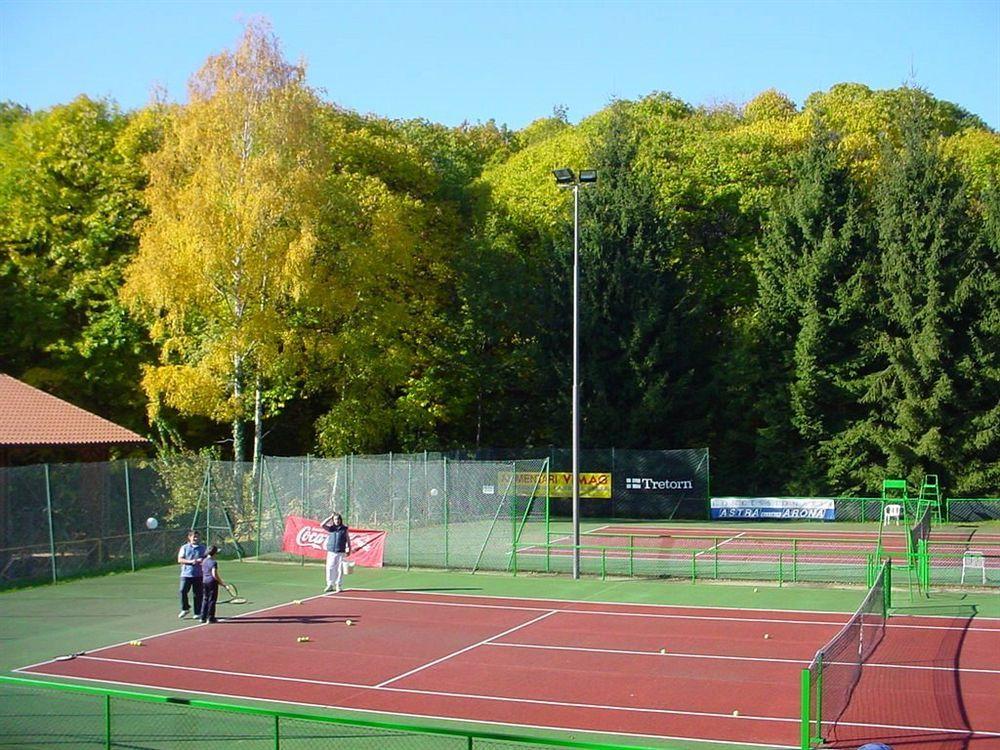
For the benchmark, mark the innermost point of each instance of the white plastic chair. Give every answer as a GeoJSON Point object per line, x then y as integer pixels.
{"type": "Point", "coordinates": [973, 560]}
{"type": "Point", "coordinates": [892, 512]}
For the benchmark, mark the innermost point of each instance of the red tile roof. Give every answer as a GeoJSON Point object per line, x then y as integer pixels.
{"type": "Point", "coordinates": [29, 416]}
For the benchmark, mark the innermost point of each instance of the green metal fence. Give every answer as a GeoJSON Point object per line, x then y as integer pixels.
{"type": "Point", "coordinates": [40, 715]}
{"type": "Point", "coordinates": [67, 520]}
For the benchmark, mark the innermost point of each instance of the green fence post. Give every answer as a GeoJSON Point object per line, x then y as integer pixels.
{"type": "Point", "coordinates": [631, 554]}
{"type": "Point", "coordinates": [604, 563]}
{"type": "Point", "coordinates": [128, 508]}
{"type": "Point", "coordinates": [107, 722]}
{"type": "Point", "coordinates": [52, 536]}
{"type": "Point", "coordinates": [694, 567]}
{"type": "Point", "coordinates": [795, 560]}
{"type": "Point", "coordinates": [444, 471]}
{"type": "Point", "coordinates": [350, 482]}
{"type": "Point", "coordinates": [548, 517]}
{"type": "Point", "coordinates": [513, 510]}
{"type": "Point", "coordinates": [409, 508]}
{"type": "Point", "coordinates": [277, 733]}
{"type": "Point", "coordinates": [781, 569]}
{"type": "Point", "coordinates": [805, 711]}
{"type": "Point", "coordinates": [716, 557]}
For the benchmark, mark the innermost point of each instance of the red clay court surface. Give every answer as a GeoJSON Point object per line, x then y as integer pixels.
{"type": "Point", "coordinates": [934, 683]}
{"type": "Point", "coordinates": [754, 544]}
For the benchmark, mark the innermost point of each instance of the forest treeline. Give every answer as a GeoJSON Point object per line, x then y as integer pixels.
{"type": "Point", "coordinates": [813, 293]}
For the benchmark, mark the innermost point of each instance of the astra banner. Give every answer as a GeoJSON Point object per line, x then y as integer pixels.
{"type": "Point", "coordinates": [774, 508]}
{"type": "Point", "coordinates": [305, 537]}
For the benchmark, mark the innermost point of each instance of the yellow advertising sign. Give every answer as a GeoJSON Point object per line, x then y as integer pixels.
{"type": "Point", "coordinates": [593, 485]}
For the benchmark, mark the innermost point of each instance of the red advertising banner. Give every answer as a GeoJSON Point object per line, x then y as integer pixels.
{"type": "Point", "coordinates": [304, 536]}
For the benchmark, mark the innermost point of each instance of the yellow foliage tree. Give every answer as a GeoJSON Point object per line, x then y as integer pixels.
{"type": "Point", "coordinates": [231, 242]}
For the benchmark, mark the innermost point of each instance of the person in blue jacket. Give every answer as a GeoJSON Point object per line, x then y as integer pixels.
{"type": "Point", "coordinates": [189, 557]}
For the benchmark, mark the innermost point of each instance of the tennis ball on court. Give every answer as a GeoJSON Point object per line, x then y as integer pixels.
{"type": "Point", "coordinates": [663, 651]}
{"type": "Point", "coordinates": [303, 639]}
{"type": "Point", "coordinates": [349, 622]}
{"type": "Point", "coordinates": [297, 602]}
{"type": "Point", "coordinates": [755, 591]}
{"type": "Point", "coordinates": [736, 713]}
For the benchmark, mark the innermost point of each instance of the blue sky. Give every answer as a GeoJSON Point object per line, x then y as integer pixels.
{"type": "Point", "coordinates": [512, 61]}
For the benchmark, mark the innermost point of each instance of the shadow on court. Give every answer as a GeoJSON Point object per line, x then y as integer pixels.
{"type": "Point", "coordinates": [300, 619]}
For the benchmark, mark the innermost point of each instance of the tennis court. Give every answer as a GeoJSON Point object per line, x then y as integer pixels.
{"type": "Point", "coordinates": [593, 667]}
{"type": "Point", "coordinates": [764, 552]}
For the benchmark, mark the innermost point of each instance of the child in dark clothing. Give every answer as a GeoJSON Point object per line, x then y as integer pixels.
{"type": "Point", "coordinates": [211, 580]}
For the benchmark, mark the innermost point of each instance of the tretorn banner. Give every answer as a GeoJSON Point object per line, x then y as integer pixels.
{"type": "Point", "coordinates": [305, 537]}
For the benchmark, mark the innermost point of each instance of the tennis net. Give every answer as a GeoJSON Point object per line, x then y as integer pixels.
{"type": "Point", "coordinates": [829, 682]}
{"type": "Point", "coordinates": [921, 530]}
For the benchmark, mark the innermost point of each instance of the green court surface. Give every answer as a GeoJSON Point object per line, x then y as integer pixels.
{"type": "Point", "coordinates": [40, 623]}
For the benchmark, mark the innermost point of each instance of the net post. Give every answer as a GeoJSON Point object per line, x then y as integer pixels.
{"type": "Point", "coordinates": [924, 566]}
{"type": "Point", "coordinates": [694, 567]}
{"type": "Point", "coordinates": [805, 710]}
{"type": "Point", "coordinates": [887, 589]}
{"type": "Point", "coordinates": [604, 563]}
{"type": "Point", "coordinates": [107, 722]}
{"type": "Point", "coordinates": [128, 509]}
{"type": "Point", "coordinates": [781, 569]}
{"type": "Point", "coordinates": [631, 555]}
{"type": "Point", "coordinates": [277, 732]}
{"type": "Point", "coordinates": [819, 698]}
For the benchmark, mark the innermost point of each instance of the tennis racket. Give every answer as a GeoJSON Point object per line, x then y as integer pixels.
{"type": "Point", "coordinates": [234, 595]}
{"type": "Point", "coordinates": [70, 657]}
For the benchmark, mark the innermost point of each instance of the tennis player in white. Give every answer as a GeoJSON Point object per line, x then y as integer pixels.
{"type": "Point", "coordinates": [338, 546]}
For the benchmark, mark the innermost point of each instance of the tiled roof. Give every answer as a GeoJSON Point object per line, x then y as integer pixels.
{"type": "Point", "coordinates": [29, 416]}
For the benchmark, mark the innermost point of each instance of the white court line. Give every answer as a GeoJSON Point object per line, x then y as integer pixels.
{"type": "Point", "coordinates": [770, 660]}
{"type": "Point", "coordinates": [711, 607]}
{"type": "Point", "coordinates": [549, 727]}
{"type": "Point", "coordinates": [717, 546]}
{"type": "Point", "coordinates": [99, 649]}
{"type": "Point", "coordinates": [467, 648]}
{"type": "Point", "coordinates": [502, 699]}
{"type": "Point", "coordinates": [656, 615]}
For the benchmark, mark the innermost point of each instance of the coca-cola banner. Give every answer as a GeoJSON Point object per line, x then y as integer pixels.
{"type": "Point", "coordinates": [304, 536]}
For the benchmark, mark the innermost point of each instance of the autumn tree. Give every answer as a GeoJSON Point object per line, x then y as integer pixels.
{"type": "Point", "coordinates": [230, 246]}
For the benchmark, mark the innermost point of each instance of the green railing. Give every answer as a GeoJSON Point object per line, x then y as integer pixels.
{"type": "Point", "coordinates": [782, 560]}
{"type": "Point", "coordinates": [42, 714]}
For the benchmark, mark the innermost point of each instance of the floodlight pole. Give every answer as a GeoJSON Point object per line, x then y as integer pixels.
{"type": "Point", "coordinates": [576, 380]}
{"type": "Point", "coordinates": [565, 178]}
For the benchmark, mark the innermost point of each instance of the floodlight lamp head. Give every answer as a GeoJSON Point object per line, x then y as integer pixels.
{"type": "Point", "coordinates": [564, 177]}
{"type": "Point", "coordinates": [588, 175]}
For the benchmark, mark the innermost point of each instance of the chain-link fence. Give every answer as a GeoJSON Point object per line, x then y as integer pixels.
{"type": "Point", "coordinates": [65, 520]}
{"type": "Point", "coordinates": [439, 512]}
{"type": "Point", "coordinates": [38, 715]}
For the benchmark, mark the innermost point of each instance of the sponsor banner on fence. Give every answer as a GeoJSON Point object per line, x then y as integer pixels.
{"type": "Point", "coordinates": [305, 537]}
{"type": "Point", "coordinates": [773, 508]}
{"type": "Point", "coordinates": [593, 485]}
